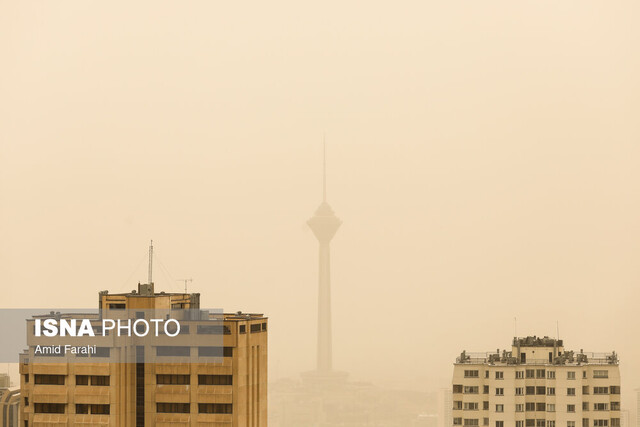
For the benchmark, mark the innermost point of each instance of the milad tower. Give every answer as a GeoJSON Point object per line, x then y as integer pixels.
{"type": "Point", "coordinates": [324, 225]}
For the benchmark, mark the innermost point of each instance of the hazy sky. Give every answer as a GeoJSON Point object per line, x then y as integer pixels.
{"type": "Point", "coordinates": [483, 156]}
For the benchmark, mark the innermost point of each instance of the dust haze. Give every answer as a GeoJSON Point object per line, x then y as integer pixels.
{"type": "Point", "coordinates": [483, 157]}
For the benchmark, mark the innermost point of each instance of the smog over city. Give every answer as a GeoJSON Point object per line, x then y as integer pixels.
{"type": "Point", "coordinates": [393, 188]}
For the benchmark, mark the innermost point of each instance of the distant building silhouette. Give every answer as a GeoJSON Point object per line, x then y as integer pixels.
{"type": "Point", "coordinates": [445, 407]}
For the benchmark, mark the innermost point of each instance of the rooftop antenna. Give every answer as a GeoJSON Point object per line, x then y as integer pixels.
{"type": "Point", "coordinates": [151, 262]}
{"type": "Point", "coordinates": [185, 283]}
{"type": "Point", "coordinates": [324, 168]}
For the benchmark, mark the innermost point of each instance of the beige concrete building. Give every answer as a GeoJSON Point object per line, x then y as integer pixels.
{"type": "Point", "coordinates": [9, 404]}
{"type": "Point", "coordinates": [536, 384]}
{"type": "Point", "coordinates": [232, 391]}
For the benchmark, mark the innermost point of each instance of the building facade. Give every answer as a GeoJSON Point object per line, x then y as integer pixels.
{"type": "Point", "coordinates": [536, 384]}
{"type": "Point", "coordinates": [9, 406]}
{"type": "Point", "coordinates": [228, 392]}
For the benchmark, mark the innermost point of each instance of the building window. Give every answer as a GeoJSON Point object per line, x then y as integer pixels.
{"type": "Point", "coordinates": [531, 373]}
{"type": "Point", "coordinates": [551, 423]}
{"type": "Point", "coordinates": [82, 379]}
{"type": "Point", "coordinates": [486, 374]}
{"type": "Point", "coordinates": [173, 408]}
{"type": "Point", "coordinates": [499, 423]}
{"type": "Point", "coordinates": [600, 407]}
{"type": "Point", "coordinates": [585, 389]}
{"type": "Point", "coordinates": [541, 390]}
{"type": "Point", "coordinates": [571, 391]}
{"type": "Point", "coordinates": [102, 352]}
{"type": "Point", "coordinates": [585, 406]}
{"type": "Point", "coordinates": [499, 408]}
{"type": "Point", "coordinates": [551, 407]}
{"type": "Point", "coordinates": [600, 374]}
{"type": "Point", "coordinates": [470, 421]}
{"type": "Point", "coordinates": [499, 375]}
{"type": "Point", "coordinates": [551, 391]}
{"type": "Point", "coordinates": [615, 422]}
{"type": "Point", "coordinates": [485, 389]}
{"type": "Point", "coordinates": [530, 423]}
{"type": "Point", "coordinates": [26, 401]}
{"type": "Point", "coordinates": [614, 389]}
{"type": "Point", "coordinates": [530, 389]}
{"type": "Point", "coordinates": [601, 390]}
{"type": "Point", "coordinates": [485, 421]}
{"type": "Point", "coordinates": [216, 352]}
{"type": "Point", "coordinates": [615, 406]}
{"type": "Point", "coordinates": [551, 375]}
{"type": "Point", "coordinates": [471, 374]}
{"type": "Point", "coordinates": [571, 375]}
{"type": "Point", "coordinates": [215, 408]}
{"type": "Point", "coordinates": [571, 424]}
{"type": "Point", "coordinates": [457, 404]}
{"type": "Point", "coordinates": [571, 408]}
{"type": "Point", "coordinates": [600, 423]}
{"type": "Point", "coordinates": [470, 406]}
{"type": "Point", "coordinates": [485, 405]}
{"type": "Point", "coordinates": [471, 389]}
{"type": "Point", "coordinates": [163, 379]}
{"type": "Point", "coordinates": [541, 407]}
{"type": "Point", "coordinates": [209, 330]}
{"type": "Point", "coordinates": [519, 391]}
{"type": "Point", "coordinates": [26, 378]}
{"type": "Point", "coordinates": [540, 423]}
{"type": "Point", "coordinates": [540, 374]}
{"type": "Point", "coordinates": [50, 380]}
{"type": "Point", "coordinates": [173, 351]}
{"type": "Point", "coordinates": [100, 409]}
{"type": "Point", "coordinates": [101, 380]}
{"type": "Point", "coordinates": [585, 422]}
{"type": "Point", "coordinates": [519, 407]}
{"type": "Point", "coordinates": [530, 406]}
{"type": "Point", "coordinates": [93, 409]}
{"type": "Point", "coordinates": [520, 423]}
{"type": "Point", "coordinates": [499, 391]}
{"type": "Point", "coordinates": [49, 408]}
{"type": "Point", "coordinates": [457, 421]}
{"type": "Point", "coordinates": [457, 388]}
{"type": "Point", "coordinates": [217, 380]}
{"type": "Point", "coordinates": [519, 375]}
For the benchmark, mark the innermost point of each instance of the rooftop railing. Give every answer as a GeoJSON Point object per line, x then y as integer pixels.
{"type": "Point", "coordinates": [567, 358]}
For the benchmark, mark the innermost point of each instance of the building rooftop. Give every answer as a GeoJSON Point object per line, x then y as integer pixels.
{"type": "Point", "coordinates": [557, 355]}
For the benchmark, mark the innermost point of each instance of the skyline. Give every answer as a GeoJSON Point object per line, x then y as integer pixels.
{"type": "Point", "coordinates": [484, 160]}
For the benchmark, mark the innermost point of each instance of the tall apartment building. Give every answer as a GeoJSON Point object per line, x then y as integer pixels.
{"type": "Point", "coordinates": [230, 390]}
{"type": "Point", "coordinates": [536, 384]}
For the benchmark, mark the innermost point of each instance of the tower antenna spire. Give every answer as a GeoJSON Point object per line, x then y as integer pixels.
{"type": "Point", "coordinates": [151, 262]}
{"type": "Point", "coordinates": [324, 168]}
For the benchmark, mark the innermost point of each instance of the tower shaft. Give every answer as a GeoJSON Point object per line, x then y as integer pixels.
{"type": "Point", "coordinates": [325, 350]}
